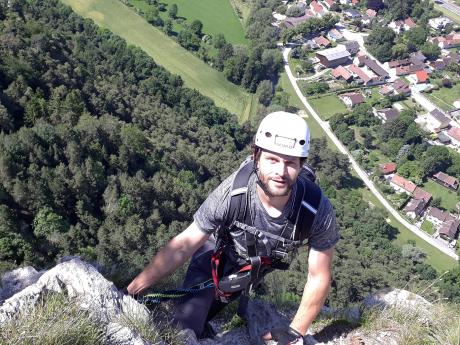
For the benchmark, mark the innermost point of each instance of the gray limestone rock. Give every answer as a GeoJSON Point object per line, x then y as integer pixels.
{"type": "Point", "coordinates": [17, 280]}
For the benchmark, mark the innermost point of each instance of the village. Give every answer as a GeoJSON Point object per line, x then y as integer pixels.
{"type": "Point", "coordinates": [338, 73]}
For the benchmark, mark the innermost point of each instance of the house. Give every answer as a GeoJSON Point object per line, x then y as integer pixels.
{"type": "Point", "coordinates": [443, 139]}
{"type": "Point", "coordinates": [334, 35]}
{"type": "Point", "coordinates": [322, 41]}
{"type": "Point", "coordinates": [293, 22]}
{"type": "Point", "coordinates": [436, 121]}
{"type": "Point", "coordinates": [333, 57]}
{"type": "Point", "coordinates": [401, 185]}
{"type": "Point", "coordinates": [410, 69]}
{"type": "Point", "coordinates": [414, 208]}
{"type": "Point", "coordinates": [352, 99]}
{"type": "Point", "coordinates": [449, 229]}
{"type": "Point", "coordinates": [438, 65]}
{"type": "Point", "coordinates": [454, 134]}
{"type": "Point", "coordinates": [439, 23]}
{"type": "Point", "coordinates": [352, 47]}
{"type": "Point", "coordinates": [409, 24]}
{"type": "Point", "coordinates": [421, 76]}
{"type": "Point", "coordinates": [351, 13]}
{"type": "Point", "coordinates": [329, 3]}
{"type": "Point", "coordinates": [446, 180]}
{"type": "Point", "coordinates": [401, 87]}
{"type": "Point", "coordinates": [388, 114]}
{"type": "Point", "coordinates": [448, 41]}
{"type": "Point", "coordinates": [420, 194]}
{"type": "Point", "coordinates": [374, 66]}
{"type": "Point", "coordinates": [436, 216]}
{"type": "Point", "coordinates": [386, 90]}
{"type": "Point", "coordinates": [311, 45]}
{"type": "Point", "coordinates": [400, 26]}
{"type": "Point", "coordinates": [417, 57]}
{"type": "Point", "coordinates": [317, 9]}
{"type": "Point", "coordinates": [365, 77]}
{"type": "Point", "coordinates": [398, 63]}
{"type": "Point", "coordinates": [342, 72]}
{"type": "Point", "coordinates": [387, 168]}
{"type": "Point", "coordinates": [371, 13]}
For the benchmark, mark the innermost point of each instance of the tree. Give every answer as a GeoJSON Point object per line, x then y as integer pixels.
{"type": "Point", "coordinates": [196, 27]}
{"type": "Point", "coordinates": [431, 50]}
{"type": "Point", "coordinates": [265, 92]}
{"type": "Point", "coordinates": [295, 11]}
{"type": "Point", "coordinates": [417, 36]}
{"type": "Point", "coordinates": [376, 5]}
{"type": "Point", "coordinates": [380, 42]}
{"type": "Point", "coordinates": [168, 26]}
{"type": "Point", "coordinates": [436, 158]}
{"type": "Point", "coordinates": [415, 254]}
{"type": "Point", "coordinates": [219, 41]}
{"type": "Point", "coordinates": [172, 12]}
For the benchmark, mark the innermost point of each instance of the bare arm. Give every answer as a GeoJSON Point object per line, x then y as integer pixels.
{"type": "Point", "coordinates": [168, 259]}
{"type": "Point", "coordinates": [316, 289]}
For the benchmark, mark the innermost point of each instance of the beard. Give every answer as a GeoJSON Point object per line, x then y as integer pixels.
{"type": "Point", "coordinates": [275, 186]}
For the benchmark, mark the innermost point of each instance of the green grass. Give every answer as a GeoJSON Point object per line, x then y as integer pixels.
{"type": "Point", "coordinates": [444, 97]}
{"type": "Point", "coordinates": [428, 227]}
{"type": "Point", "coordinates": [448, 13]}
{"type": "Point", "coordinates": [328, 105]}
{"type": "Point", "coordinates": [217, 16]}
{"type": "Point", "coordinates": [448, 197]}
{"type": "Point", "coordinates": [242, 9]}
{"type": "Point", "coordinates": [167, 53]}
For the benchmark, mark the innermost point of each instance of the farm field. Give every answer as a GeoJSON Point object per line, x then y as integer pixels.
{"type": "Point", "coordinates": [448, 197]}
{"type": "Point", "coordinates": [326, 106]}
{"type": "Point", "coordinates": [167, 53]}
{"type": "Point", "coordinates": [217, 16]}
{"type": "Point", "coordinates": [444, 97]}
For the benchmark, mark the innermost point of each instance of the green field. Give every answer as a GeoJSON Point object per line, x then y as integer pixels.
{"type": "Point", "coordinates": [328, 105]}
{"type": "Point", "coordinates": [444, 97]}
{"type": "Point", "coordinates": [448, 197]}
{"type": "Point", "coordinates": [167, 53]}
{"type": "Point", "coordinates": [217, 16]}
{"type": "Point", "coordinates": [428, 227]}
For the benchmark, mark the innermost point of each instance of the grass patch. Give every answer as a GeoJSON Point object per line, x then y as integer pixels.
{"type": "Point", "coordinates": [53, 320]}
{"type": "Point", "coordinates": [166, 52]}
{"type": "Point", "coordinates": [217, 16]}
{"type": "Point", "coordinates": [449, 14]}
{"type": "Point", "coordinates": [328, 105]}
{"type": "Point", "coordinates": [448, 197]}
{"type": "Point", "coordinates": [428, 227]}
{"type": "Point", "coordinates": [444, 97]}
{"type": "Point", "coordinates": [242, 9]}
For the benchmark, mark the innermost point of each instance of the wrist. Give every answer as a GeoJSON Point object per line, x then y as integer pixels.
{"type": "Point", "coordinates": [295, 332]}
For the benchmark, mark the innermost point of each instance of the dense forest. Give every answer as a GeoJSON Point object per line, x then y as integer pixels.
{"type": "Point", "coordinates": [105, 155]}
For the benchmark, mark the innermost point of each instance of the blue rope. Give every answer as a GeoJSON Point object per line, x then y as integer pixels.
{"type": "Point", "coordinates": [155, 298]}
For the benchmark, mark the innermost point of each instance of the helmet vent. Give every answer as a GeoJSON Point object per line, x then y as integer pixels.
{"type": "Point", "coordinates": [268, 134]}
{"type": "Point", "coordinates": [302, 142]}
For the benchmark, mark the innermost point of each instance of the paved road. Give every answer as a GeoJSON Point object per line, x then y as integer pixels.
{"type": "Point", "coordinates": [449, 6]}
{"type": "Point", "coordinates": [361, 173]}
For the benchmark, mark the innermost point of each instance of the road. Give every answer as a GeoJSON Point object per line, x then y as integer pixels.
{"type": "Point", "coordinates": [449, 6]}
{"type": "Point", "coordinates": [361, 173]}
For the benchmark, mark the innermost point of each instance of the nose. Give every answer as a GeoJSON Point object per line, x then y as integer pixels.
{"type": "Point", "coordinates": [281, 169]}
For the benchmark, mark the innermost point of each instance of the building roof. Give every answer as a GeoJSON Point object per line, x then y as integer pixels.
{"type": "Point", "coordinates": [443, 138]}
{"type": "Point", "coordinates": [334, 53]}
{"type": "Point", "coordinates": [417, 56]}
{"type": "Point", "coordinates": [352, 46]}
{"type": "Point", "coordinates": [351, 12]}
{"type": "Point", "coordinates": [316, 7]}
{"type": "Point", "coordinates": [447, 179]}
{"type": "Point", "coordinates": [414, 205]}
{"type": "Point", "coordinates": [400, 84]}
{"type": "Point", "coordinates": [371, 13]}
{"type": "Point", "coordinates": [439, 116]}
{"type": "Point", "coordinates": [387, 168]}
{"type": "Point", "coordinates": [422, 76]}
{"type": "Point", "coordinates": [449, 228]}
{"type": "Point", "coordinates": [403, 183]}
{"type": "Point", "coordinates": [437, 213]}
{"type": "Point", "coordinates": [385, 90]}
{"type": "Point", "coordinates": [335, 33]}
{"type": "Point", "coordinates": [389, 113]}
{"type": "Point", "coordinates": [409, 22]}
{"type": "Point", "coordinates": [355, 97]}
{"type": "Point", "coordinates": [419, 193]}
{"type": "Point", "coordinates": [322, 41]}
{"type": "Point", "coordinates": [397, 63]}
{"type": "Point", "coordinates": [374, 66]}
{"type": "Point", "coordinates": [341, 71]}
{"type": "Point", "coordinates": [454, 132]}
{"type": "Point", "coordinates": [292, 22]}
{"type": "Point", "coordinates": [360, 73]}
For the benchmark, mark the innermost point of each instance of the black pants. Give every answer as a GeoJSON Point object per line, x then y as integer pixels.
{"type": "Point", "coordinates": [195, 310]}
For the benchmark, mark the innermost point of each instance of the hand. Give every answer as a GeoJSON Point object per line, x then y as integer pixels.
{"type": "Point", "coordinates": [287, 336]}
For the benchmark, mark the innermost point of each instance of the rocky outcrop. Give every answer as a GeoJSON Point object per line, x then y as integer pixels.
{"type": "Point", "coordinates": [88, 287]}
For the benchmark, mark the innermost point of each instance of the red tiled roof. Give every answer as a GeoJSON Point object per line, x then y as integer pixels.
{"type": "Point", "coordinates": [371, 13]}
{"type": "Point", "coordinates": [437, 213]}
{"type": "Point", "coordinates": [419, 193]}
{"type": "Point", "coordinates": [321, 40]}
{"type": "Point", "coordinates": [422, 76]}
{"type": "Point", "coordinates": [410, 23]}
{"type": "Point", "coordinates": [454, 132]}
{"type": "Point", "coordinates": [360, 73]}
{"type": "Point", "coordinates": [388, 168]}
{"type": "Point", "coordinates": [415, 205]}
{"type": "Point", "coordinates": [341, 71]}
{"type": "Point", "coordinates": [354, 2]}
{"type": "Point", "coordinates": [316, 7]}
{"type": "Point", "coordinates": [403, 183]}
{"type": "Point", "coordinates": [447, 179]}
{"type": "Point", "coordinates": [330, 2]}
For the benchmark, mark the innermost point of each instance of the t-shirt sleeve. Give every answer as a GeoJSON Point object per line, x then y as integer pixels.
{"type": "Point", "coordinates": [213, 210]}
{"type": "Point", "coordinates": [325, 233]}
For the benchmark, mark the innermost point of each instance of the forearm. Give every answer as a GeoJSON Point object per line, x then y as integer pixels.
{"type": "Point", "coordinates": [168, 259]}
{"type": "Point", "coordinates": [314, 295]}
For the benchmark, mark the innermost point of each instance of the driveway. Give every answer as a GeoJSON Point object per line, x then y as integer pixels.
{"type": "Point", "coordinates": [361, 173]}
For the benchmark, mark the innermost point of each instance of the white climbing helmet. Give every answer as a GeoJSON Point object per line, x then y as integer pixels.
{"type": "Point", "coordinates": [284, 133]}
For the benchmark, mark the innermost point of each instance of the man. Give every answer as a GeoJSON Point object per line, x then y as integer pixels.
{"type": "Point", "coordinates": [275, 199]}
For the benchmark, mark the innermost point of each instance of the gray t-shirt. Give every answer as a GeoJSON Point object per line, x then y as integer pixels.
{"type": "Point", "coordinates": [212, 214]}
